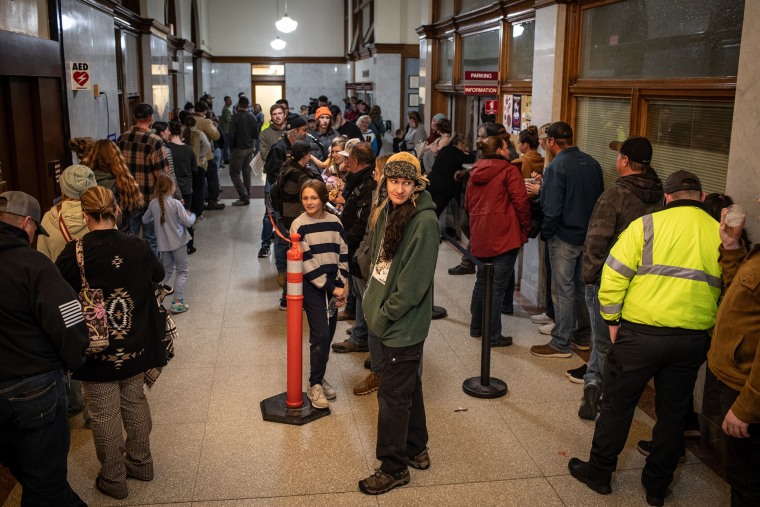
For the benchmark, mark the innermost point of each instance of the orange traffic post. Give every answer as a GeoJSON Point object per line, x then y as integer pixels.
{"type": "Point", "coordinates": [294, 298]}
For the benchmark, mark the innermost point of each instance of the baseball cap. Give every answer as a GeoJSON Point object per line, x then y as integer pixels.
{"type": "Point", "coordinates": [682, 180]}
{"type": "Point", "coordinates": [636, 148]}
{"type": "Point", "coordinates": [23, 205]}
{"type": "Point", "coordinates": [296, 122]}
{"type": "Point", "coordinates": [143, 111]}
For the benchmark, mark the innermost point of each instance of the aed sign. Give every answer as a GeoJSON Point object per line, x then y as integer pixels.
{"type": "Point", "coordinates": [80, 75]}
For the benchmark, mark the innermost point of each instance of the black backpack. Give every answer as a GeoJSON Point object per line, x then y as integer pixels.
{"type": "Point", "coordinates": [275, 190]}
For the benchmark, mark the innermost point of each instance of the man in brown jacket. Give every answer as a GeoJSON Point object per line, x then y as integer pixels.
{"type": "Point", "coordinates": [734, 358]}
{"type": "Point", "coordinates": [208, 127]}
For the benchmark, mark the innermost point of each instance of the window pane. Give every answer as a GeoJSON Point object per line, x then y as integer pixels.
{"type": "Point", "coordinates": [445, 9]}
{"type": "Point", "coordinates": [638, 39]}
{"type": "Point", "coordinates": [447, 55]}
{"type": "Point", "coordinates": [691, 135]}
{"type": "Point", "coordinates": [471, 5]}
{"type": "Point", "coordinates": [600, 121]}
{"type": "Point", "coordinates": [481, 51]}
{"type": "Point", "coordinates": [521, 51]}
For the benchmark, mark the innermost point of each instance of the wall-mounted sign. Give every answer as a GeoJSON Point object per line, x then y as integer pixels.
{"type": "Point", "coordinates": [481, 90]}
{"type": "Point", "coordinates": [80, 75]}
{"type": "Point", "coordinates": [359, 86]}
{"type": "Point", "coordinates": [491, 106]}
{"type": "Point", "coordinates": [476, 75]}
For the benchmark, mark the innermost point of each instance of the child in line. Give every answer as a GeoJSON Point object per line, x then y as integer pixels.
{"type": "Point", "coordinates": [325, 275]}
{"type": "Point", "coordinates": [398, 141]}
{"type": "Point", "coordinates": [172, 236]}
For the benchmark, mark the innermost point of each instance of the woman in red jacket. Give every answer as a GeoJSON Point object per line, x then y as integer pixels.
{"type": "Point", "coordinates": [499, 211]}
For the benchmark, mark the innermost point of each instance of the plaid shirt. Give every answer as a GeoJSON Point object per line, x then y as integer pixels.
{"type": "Point", "coordinates": [144, 154]}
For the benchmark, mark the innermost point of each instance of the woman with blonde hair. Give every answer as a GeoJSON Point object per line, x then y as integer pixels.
{"type": "Point", "coordinates": [125, 269]}
{"type": "Point", "coordinates": [369, 136]}
{"type": "Point", "coordinates": [111, 171]}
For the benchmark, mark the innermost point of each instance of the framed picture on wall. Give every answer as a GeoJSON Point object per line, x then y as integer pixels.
{"type": "Point", "coordinates": [414, 100]}
{"type": "Point", "coordinates": [414, 82]}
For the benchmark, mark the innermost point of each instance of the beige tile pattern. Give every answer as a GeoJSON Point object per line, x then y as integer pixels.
{"type": "Point", "coordinates": [213, 449]}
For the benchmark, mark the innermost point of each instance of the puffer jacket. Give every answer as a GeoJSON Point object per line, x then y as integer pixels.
{"type": "Point", "coordinates": [73, 218]}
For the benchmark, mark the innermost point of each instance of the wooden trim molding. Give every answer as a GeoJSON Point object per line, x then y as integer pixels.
{"type": "Point", "coordinates": [24, 55]}
{"type": "Point", "coordinates": [405, 50]}
{"type": "Point", "coordinates": [271, 60]}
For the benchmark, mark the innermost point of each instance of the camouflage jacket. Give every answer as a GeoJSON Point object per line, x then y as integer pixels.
{"type": "Point", "coordinates": [629, 198]}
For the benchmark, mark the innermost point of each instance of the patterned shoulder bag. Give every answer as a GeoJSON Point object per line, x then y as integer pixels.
{"type": "Point", "coordinates": [93, 309]}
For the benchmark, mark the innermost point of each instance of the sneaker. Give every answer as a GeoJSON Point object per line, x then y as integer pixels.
{"type": "Point", "coordinates": [328, 390]}
{"type": "Point", "coordinates": [191, 250]}
{"type": "Point", "coordinates": [368, 385]}
{"type": "Point", "coordinates": [368, 363]}
{"type": "Point", "coordinates": [346, 316]}
{"type": "Point", "coordinates": [541, 318]}
{"type": "Point", "coordinates": [502, 341]}
{"type": "Point", "coordinates": [645, 448]}
{"type": "Point", "coordinates": [576, 374]}
{"type": "Point", "coordinates": [349, 346]}
{"type": "Point", "coordinates": [462, 270]}
{"type": "Point", "coordinates": [241, 202]}
{"type": "Point", "coordinates": [579, 470]}
{"type": "Point", "coordinates": [283, 305]}
{"type": "Point", "coordinates": [590, 403]}
{"type": "Point", "coordinates": [179, 307]}
{"type": "Point", "coordinates": [421, 461]}
{"type": "Point", "coordinates": [381, 482]}
{"type": "Point", "coordinates": [579, 345]}
{"type": "Point", "coordinates": [281, 279]}
{"type": "Point", "coordinates": [546, 329]}
{"type": "Point", "coordinates": [317, 397]}
{"type": "Point", "coordinates": [214, 205]}
{"type": "Point", "coordinates": [263, 252]}
{"type": "Point", "coordinates": [548, 351]}
{"type": "Point", "coordinates": [349, 330]}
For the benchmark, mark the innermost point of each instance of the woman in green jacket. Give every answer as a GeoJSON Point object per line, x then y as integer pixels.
{"type": "Point", "coordinates": [398, 306]}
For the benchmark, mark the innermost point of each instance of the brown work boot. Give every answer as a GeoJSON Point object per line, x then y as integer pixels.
{"type": "Point", "coordinates": [368, 385]}
{"type": "Point", "coordinates": [280, 279]}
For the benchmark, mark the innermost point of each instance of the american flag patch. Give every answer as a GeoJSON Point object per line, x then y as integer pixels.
{"type": "Point", "coordinates": [71, 313]}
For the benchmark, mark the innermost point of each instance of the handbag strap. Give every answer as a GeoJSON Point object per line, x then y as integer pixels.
{"type": "Point", "coordinates": [62, 226]}
{"type": "Point", "coordinates": [80, 262]}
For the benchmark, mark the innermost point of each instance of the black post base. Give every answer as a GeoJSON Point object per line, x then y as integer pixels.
{"type": "Point", "coordinates": [496, 388]}
{"type": "Point", "coordinates": [439, 312]}
{"type": "Point", "coordinates": [274, 409]}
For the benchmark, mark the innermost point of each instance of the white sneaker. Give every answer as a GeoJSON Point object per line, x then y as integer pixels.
{"type": "Point", "coordinates": [328, 390]}
{"type": "Point", "coordinates": [317, 397]}
{"type": "Point", "coordinates": [546, 328]}
{"type": "Point", "coordinates": [541, 318]}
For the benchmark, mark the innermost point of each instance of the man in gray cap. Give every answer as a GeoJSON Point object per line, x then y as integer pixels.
{"type": "Point", "coordinates": [659, 295]}
{"type": "Point", "coordinates": [43, 334]}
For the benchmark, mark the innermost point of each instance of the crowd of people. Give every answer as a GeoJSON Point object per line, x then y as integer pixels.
{"type": "Point", "coordinates": [639, 274]}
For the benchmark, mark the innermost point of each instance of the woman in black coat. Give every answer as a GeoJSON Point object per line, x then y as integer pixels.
{"type": "Point", "coordinates": [443, 187]}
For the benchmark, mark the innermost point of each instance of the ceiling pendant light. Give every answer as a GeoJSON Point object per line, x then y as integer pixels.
{"type": "Point", "coordinates": [278, 44]}
{"type": "Point", "coordinates": [286, 24]}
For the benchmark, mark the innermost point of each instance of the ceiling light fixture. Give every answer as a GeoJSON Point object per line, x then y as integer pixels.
{"type": "Point", "coordinates": [278, 44]}
{"type": "Point", "coordinates": [286, 24]}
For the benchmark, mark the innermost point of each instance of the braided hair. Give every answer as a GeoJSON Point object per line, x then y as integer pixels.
{"type": "Point", "coordinates": [164, 187]}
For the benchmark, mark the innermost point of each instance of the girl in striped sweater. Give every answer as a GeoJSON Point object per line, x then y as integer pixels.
{"type": "Point", "coordinates": [325, 272]}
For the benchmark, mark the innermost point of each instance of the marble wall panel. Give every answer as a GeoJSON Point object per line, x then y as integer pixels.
{"type": "Point", "coordinates": [547, 63]}
{"type": "Point", "coordinates": [88, 36]}
{"type": "Point", "coordinates": [205, 76]}
{"type": "Point", "coordinates": [188, 78]}
{"type": "Point", "coordinates": [303, 81]}
{"type": "Point", "coordinates": [229, 79]}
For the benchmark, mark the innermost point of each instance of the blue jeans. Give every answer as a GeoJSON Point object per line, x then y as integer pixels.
{"type": "Point", "coordinates": [321, 330]}
{"type": "Point", "coordinates": [34, 438]}
{"type": "Point", "coordinates": [600, 338]}
{"type": "Point", "coordinates": [503, 269]}
{"type": "Point", "coordinates": [568, 294]}
{"type": "Point", "coordinates": [148, 230]}
{"type": "Point", "coordinates": [359, 332]}
{"type": "Point", "coordinates": [212, 175]}
{"type": "Point", "coordinates": [266, 225]}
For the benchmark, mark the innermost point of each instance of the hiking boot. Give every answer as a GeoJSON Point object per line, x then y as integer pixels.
{"type": "Point", "coordinates": [548, 351]}
{"type": "Point", "coordinates": [328, 390]}
{"type": "Point", "coordinates": [576, 374]}
{"type": "Point", "coordinates": [368, 385]}
{"type": "Point", "coordinates": [579, 470]}
{"type": "Point", "coordinates": [590, 404]}
{"type": "Point", "coordinates": [317, 397]}
{"type": "Point", "coordinates": [546, 329]}
{"type": "Point", "coordinates": [214, 205]}
{"type": "Point", "coordinates": [381, 482]}
{"type": "Point", "coordinates": [349, 346]}
{"type": "Point", "coordinates": [541, 318]}
{"type": "Point", "coordinates": [242, 202]}
{"type": "Point", "coordinates": [462, 270]}
{"type": "Point", "coordinates": [645, 448]}
{"type": "Point", "coordinates": [263, 252]}
{"type": "Point", "coordinates": [421, 461]}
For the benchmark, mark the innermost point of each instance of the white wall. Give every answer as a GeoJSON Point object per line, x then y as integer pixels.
{"type": "Point", "coordinates": [395, 21]}
{"type": "Point", "coordinates": [303, 81]}
{"type": "Point", "coordinates": [245, 28]}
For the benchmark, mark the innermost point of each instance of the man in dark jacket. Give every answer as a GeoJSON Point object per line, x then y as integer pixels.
{"type": "Point", "coordinates": [244, 131]}
{"type": "Point", "coordinates": [636, 193]}
{"type": "Point", "coordinates": [42, 335]}
{"type": "Point", "coordinates": [345, 128]}
{"type": "Point", "coordinates": [572, 184]}
{"type": "Point", "coordinates": [360, 184]}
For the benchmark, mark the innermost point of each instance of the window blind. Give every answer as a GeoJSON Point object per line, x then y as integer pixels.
{"type": "Point", "coordinates": [602, 120]}
{"type": "Point", "coordinates": [131, 64]}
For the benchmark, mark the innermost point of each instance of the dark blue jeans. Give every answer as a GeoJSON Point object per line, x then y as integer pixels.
{"type": "Point", "coordinates": [148, 230]}
{"type": "Point", "coordinates": [212, 175]}
{"type": "Point", "coordinates": [401, 424]}
{"type": "Point", "coordinates": [503, 268]}
{"type": "Point", "coordinates": [34, 438]}
{"type": "Point", "coordinates": [321, 330]}
{"type": "Point", "coordinates": [266, 225]}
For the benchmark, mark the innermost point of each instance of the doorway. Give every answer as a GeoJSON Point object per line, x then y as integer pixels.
{"type": "Point", "coordinates": [267, 95]}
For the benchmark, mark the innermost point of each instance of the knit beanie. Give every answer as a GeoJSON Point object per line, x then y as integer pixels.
{"type": "Point", "coordinates": [76, 179]}
{"type": "Point", "coordinates": [405, 165]}
{"type": "Point", "coordinates": [323, 111]}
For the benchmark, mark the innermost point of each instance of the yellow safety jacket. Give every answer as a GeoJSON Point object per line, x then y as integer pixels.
{"type": "Point", "coordinates": [663, 271]}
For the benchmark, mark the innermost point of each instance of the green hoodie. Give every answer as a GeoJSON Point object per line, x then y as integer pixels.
{"type": "Point", "coordinates": [400, 311]}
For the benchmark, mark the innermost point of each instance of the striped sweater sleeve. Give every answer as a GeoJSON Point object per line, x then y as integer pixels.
{"type": "Point", "coordinates": [324, 249]}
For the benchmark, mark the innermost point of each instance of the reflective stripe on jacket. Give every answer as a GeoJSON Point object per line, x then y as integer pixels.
{"type": "Point", "coordinates": [664, 270]}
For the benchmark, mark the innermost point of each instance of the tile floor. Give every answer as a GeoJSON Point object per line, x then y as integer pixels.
{"type": "Point", "coordinates": [212, 448]}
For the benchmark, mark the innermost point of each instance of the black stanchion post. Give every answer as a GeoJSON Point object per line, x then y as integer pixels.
{"type": "Point", "coordinates": [486, 386]}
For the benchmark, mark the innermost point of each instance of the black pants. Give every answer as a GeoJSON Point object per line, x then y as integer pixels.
{"type": "Point", "coordinates": [188, 198]}
{"type": "Point", "coordinates": [199, 184]}
{"type": "Point", "coordinates": [635, 357]}
{"type": "Point", "coordinates": [741, 459]}
{"type": "Point", "coordinates": [441, 201]}
{"type": "Point", "coordinates": [401, 425]}
{"type": "Point", "coordinates": [321, 330]}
